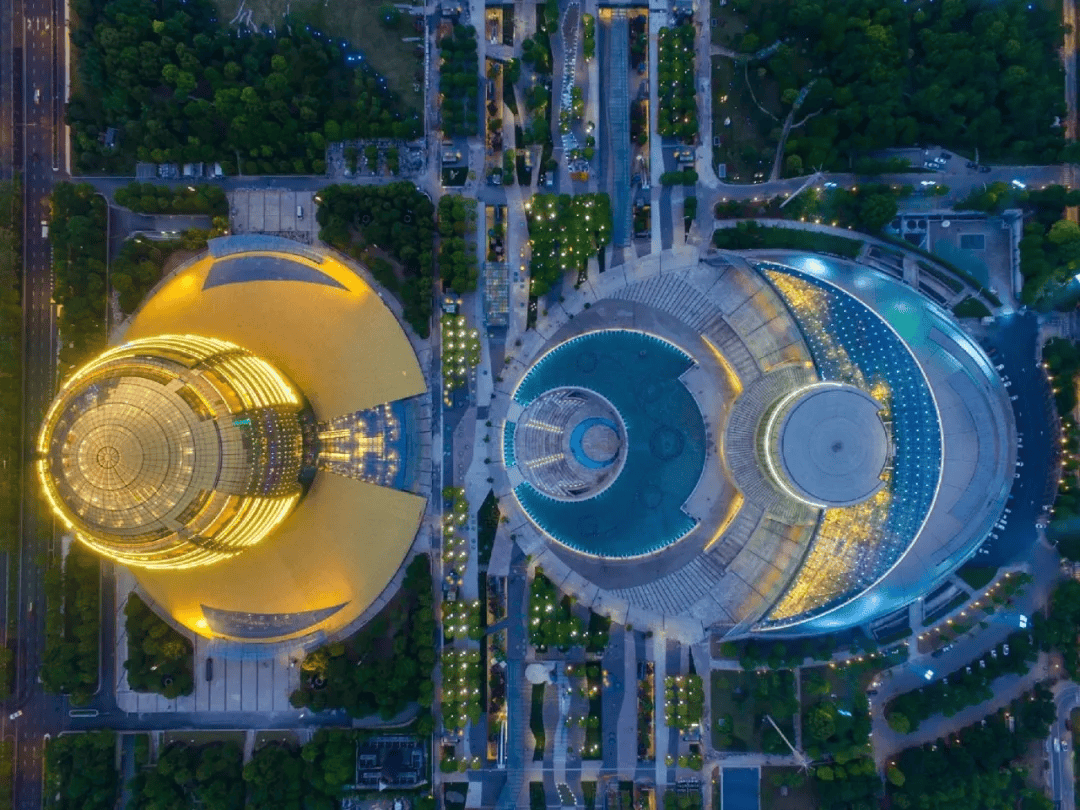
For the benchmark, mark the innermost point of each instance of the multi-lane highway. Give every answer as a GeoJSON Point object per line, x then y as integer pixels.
{"type": "Point", "coordinates": [36, 101]}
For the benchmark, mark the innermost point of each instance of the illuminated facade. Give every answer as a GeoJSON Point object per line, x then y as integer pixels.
{"type": "Point", "coordinates": [258, 474]}
{"type": "Point", "coordinates": [831, 447]}
{"type": "Point", "coordinates": [173, 451]}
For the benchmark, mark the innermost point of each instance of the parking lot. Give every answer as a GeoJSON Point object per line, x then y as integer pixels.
{"type": "Point", "coordinates": [290, 214]}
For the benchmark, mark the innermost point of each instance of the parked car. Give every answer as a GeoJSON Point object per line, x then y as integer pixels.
{"type": "Point", "coordinates": [971, 164]}
{"type": "Point", "coordinates": [1005, 649]}
{"type": "Point", "coordinates": [15, 715]}
{"type": "Point", "coordinates": [984, 169]}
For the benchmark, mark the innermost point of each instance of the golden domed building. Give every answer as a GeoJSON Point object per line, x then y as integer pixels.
{"type": "Point", "coordinates": [250, 450]}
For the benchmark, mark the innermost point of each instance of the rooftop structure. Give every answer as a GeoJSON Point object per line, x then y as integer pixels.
{"type": "Point", "coordinates": [173, 451]}
{"type": "Point", "coordinates": [257, 470]}
{"type": "Point", "coordinates": [829, 466]}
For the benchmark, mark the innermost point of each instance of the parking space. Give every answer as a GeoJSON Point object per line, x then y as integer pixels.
{"type": "Point", "coordinates": [290, 214]}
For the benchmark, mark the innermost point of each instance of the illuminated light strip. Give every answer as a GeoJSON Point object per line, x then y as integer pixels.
{"type": "Point", "coordinates": [544, 426]}
{"type": "Point", "coordinates": [733, 378]}
{"type": "Point", "coordinates": [734, 506]}
{"type": "Point", "coordinates": [779, 409]}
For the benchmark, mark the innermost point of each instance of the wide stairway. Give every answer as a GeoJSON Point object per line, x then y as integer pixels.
{"type": "Point", "coordinates": [682, 589]}
{"type": "Point", "coordinates": [669, 293]}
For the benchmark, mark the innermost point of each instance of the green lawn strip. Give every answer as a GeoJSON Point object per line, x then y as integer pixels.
{"type": "Point", "coordinates": [536, 721]}
{"type": "Point", "coordinates": [977, 577]}
{"type": "Point", "coordinates": [751, 235]}
{"type": "Point", "coordinates": [593, 732]}
{"type": "Point", "coordinates": [799, 790]}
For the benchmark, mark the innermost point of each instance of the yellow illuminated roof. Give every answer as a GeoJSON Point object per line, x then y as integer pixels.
{"type": "Point", "coordinates": [338, 343]}
{"type": "Point", "coordinates": [341, 545]}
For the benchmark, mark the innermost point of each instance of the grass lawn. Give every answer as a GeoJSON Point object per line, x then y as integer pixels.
{"type": "Point", "coordinates": [358, 22]}
{"type": "Point", "coordinates": [800, 798]}
{"type": "Point", "coordinates": [284, 736]}
{"type": "Point", "coordinates": [202, 737]}
{"type": "Point", "coordinates": [976, 576]}
{"type": "Point", "coordinates": [536, 721]}
{"type": "Point", "coordinates": [733, 697]}
{"type": "Point", "coordinates": [728, 25]}
{"type": "Point", "coordinates": [746, 146]}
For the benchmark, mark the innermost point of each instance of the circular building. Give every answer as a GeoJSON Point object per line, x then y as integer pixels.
{"type": "Point", "coordinates": [173, 451]}
{"type": "Point", "coordinates": [799, 445]}
{"type": "Point", "coordinates": [251, 449]}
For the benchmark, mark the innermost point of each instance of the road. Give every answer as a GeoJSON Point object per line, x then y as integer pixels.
{"type": "Point", "coordinates": [1061, 769]}
{"type": "Point", "coordinates": [36, 154]}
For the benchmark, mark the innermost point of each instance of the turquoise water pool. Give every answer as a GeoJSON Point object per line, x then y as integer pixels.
{"type": "Point", "coordinates": [641, 511]}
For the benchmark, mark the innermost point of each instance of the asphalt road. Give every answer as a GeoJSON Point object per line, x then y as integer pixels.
{"type": "Point", "coordinates": [1061, 770]}
{"type": "Point", "coordinates": [42, 67]}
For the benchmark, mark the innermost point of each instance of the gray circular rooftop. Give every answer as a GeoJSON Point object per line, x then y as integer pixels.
{"type": "Point", "coordinates": [833, 445]}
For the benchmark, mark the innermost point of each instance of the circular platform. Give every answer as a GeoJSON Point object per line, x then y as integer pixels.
{"type": "Point", "coordinates": [833, 445]}
{"type": "Point", "coordinates": [571, 443]}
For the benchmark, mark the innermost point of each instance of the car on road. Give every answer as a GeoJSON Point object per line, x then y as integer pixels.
{"type": "Point", "coordinates": [1005, 649]}
{"type": "Point", "coordinates": [37, 95]}
{"type": "Point", "coordinates": [15, 715]}
{"type": "Point", "coordinates": [982, 663]}
{"type": "Point", "coordinates": [1057, 745]}
{"type": "Point", "coordinates": [993, 653]}
{"type": "Point", "coordinates": [984, 169]}
{"type": "Point", "coordinates": [83, 713]}
{"type": "Point", "coordinates": [209, 669]}
{"type": "Point", "coordinates": [1019, 184]}
{"type": "Point", "coordinates": [872, 692]}
{"type": "Point", "coordinates": [1064, 744]}
{"type": "Point", "coordinates": [971, 164]}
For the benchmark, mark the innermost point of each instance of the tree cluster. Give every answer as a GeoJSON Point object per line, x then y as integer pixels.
{"type": "Point", "coordinates": [565, 231]}
{"type": "Point", "coordinates": [457, 251]}
{"type": "Point", "coordinates": [179, 86]}
{"type": "Point", "coordinates": [751, 235]}
{"type": "Point", "coordinates": [397, 218]}
{"type": "Point", "coordinates": [852, 784]}
{"type": "Point", "coordinates": [687, 177]}
{"type": "Point", "coordinates": [588, 35]}
{"type": "Point", "coordinates": [80, 771]}
{"type": "Point", "coordinates": [459, 83]}
{"type": "Point", "coordinates": [284, 777]}
{"type": "Point", "coordinates": [151, 198]}
{"type": "Point", "coordinates": [1057, 630]}
{"type": "Point", "coordinates": [159, 658]}
{"type": "Point", "coordinates": [977, 768]}
{"type": "Point", "coordinates": [536, 52]}
{"type": "Point", "coordinates": [1050, 247]}
{"type": "Point", "coordinates": [72, 625]}
{"type": "Point", "coordinates": [958, 690]}
{"type": "Point", "coordinates": [77, 236]}
{"type": "Point", "coordinates": [397, 649]}
{"type": "Point", "coordinates": [551, 622]}
{"type": "Point", "coordinates": [140, 263]}
{"type": "Point", "coordinates": [964, 74]}
{"type": "Point", "coordinates": [11, 351]}
{"type": "Point", "coordinates": [684, 701]}
{"type": "Point", "coordinates": [677, 114]}
{"type": "Point", "coordinates": [208, 776]}
{"type": "Point", "coordinates": [840, 729]}
{"type": "Point", "coordinates": [461, 676]}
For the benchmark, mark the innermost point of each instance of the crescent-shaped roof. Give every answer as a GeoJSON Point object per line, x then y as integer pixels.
{"type": "Point", "coordinates": [305, 312]}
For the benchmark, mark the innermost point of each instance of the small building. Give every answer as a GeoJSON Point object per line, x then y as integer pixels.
{"type": "Point", "coordinates": [450, 157]}
{"type": "Point", "coordinates": [110, 138]}
{"type": "Point", "coordinates": [390, 762]}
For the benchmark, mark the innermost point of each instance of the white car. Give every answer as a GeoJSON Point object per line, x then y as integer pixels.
{"type": "Point", "coordinates": [15, 715]}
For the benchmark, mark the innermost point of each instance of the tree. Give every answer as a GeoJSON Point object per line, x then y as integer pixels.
{"type": "Point", "coordinates": [898, 722]}
{"type": "Point", "coordinates": [895, 776]}
{"type": "Point", "coordinates": [822, 721]}
{"type": "Point", "coordinates": [876, 211]}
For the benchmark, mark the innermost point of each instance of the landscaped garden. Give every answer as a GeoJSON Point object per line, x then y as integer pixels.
{"type": "Point", "coordinates": [677, 115]}
{"type": "Point", "coordinates": [565, 231]}
{"type": "Point", "coordinates": [460, 352]}
{"type": "Point", "coordinates": [739, 703]}
{"type": "Point", "coordinates": [551, 621]}
{"type": "Point", "coordinates": [159, 659]}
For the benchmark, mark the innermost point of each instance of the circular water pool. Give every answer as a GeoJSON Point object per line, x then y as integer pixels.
{"type": "Point", "coordinates": [662, 454]}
